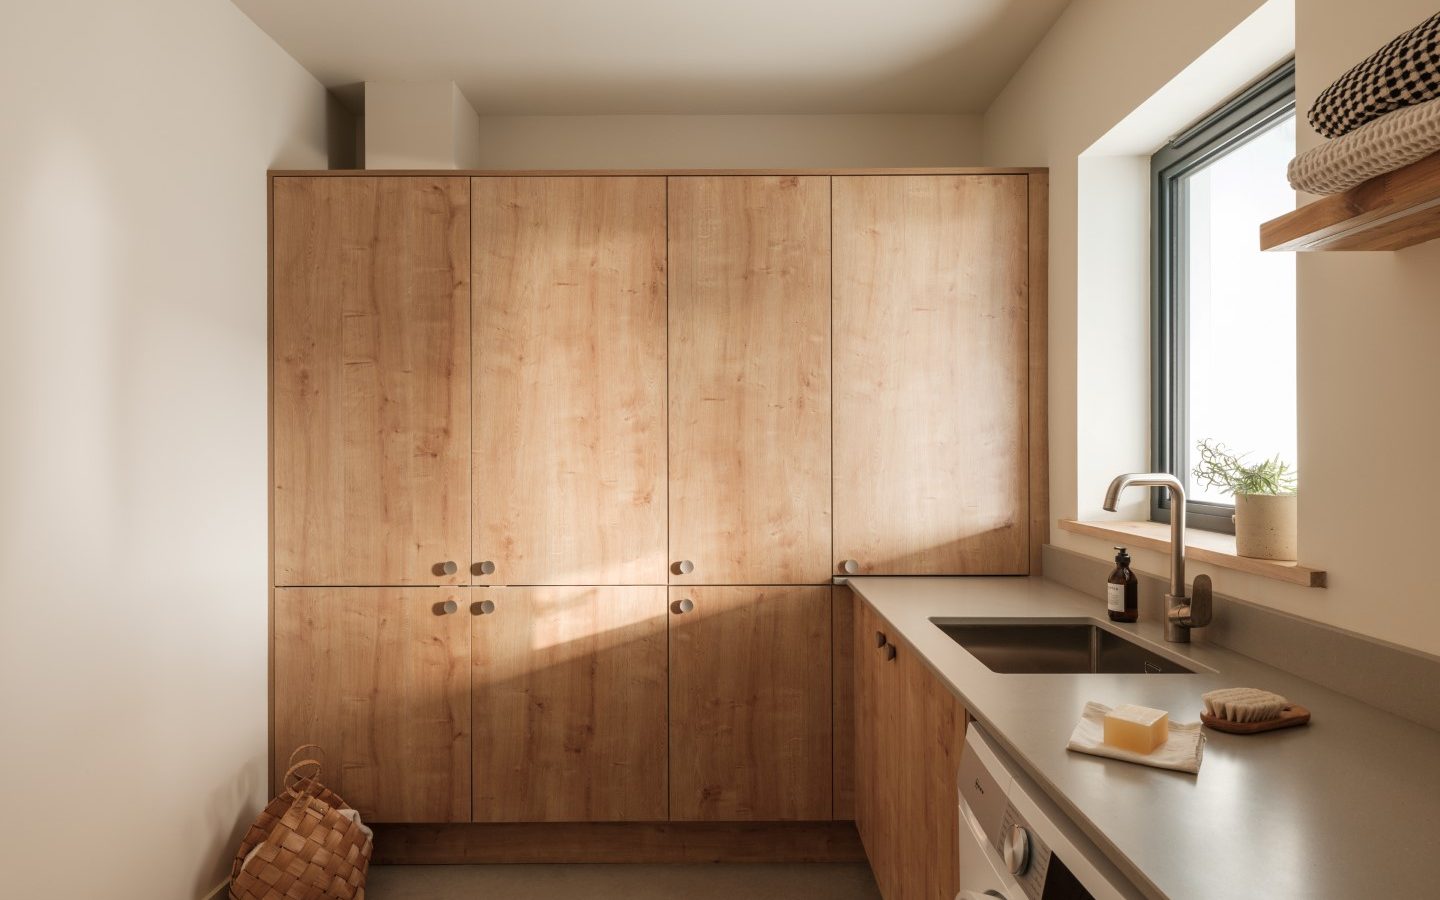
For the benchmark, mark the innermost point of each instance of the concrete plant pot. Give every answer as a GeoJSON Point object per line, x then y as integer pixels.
{"type": "Point", "coordinates": [1265, 526]}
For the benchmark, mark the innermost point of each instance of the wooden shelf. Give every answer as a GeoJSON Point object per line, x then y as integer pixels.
{"type": "Point", "coordinates": [1200, 546]}
{"type": "Point", "coordinates": [1389, 212]}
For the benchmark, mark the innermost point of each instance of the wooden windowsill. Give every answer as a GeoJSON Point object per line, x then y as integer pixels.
{"type": "Point", "coordinates": [1200, 546]}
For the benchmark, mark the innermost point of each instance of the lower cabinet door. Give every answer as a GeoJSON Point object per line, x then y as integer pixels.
{"type": "Point", "coordinates": [570, 703]}
{"type": "Point", "coordinates": [379, 679]}
{"type": "Point", "coordinates": [750, 703]}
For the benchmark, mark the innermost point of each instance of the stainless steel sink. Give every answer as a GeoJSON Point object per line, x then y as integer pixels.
{"type": "Point", "coordinates": [1056, 648]}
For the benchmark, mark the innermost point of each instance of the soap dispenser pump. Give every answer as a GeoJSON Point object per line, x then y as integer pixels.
{"type": "Point", "coordinates": [1122, 595]}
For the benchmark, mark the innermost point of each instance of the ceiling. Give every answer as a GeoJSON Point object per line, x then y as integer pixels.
{"type": "Point", "coordinates": [513, 57]}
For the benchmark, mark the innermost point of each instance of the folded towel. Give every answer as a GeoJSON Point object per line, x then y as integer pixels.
{"type": "Point", "coordinates": [1181, 752]}
{"type": "Point", "coordinates": [1391, 142]}
{"type": "Point", "coordinates": [1402, 73]}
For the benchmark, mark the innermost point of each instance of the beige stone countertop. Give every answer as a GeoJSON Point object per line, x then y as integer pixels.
{"type": "Point", "coordinates": [1347, 806]}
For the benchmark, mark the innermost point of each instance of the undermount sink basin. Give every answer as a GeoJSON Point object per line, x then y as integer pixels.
{"type": "Point", "coordinates": [1035, 648]}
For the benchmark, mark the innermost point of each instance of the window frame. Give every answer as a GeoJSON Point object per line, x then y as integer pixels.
{"type": "Point", "coordinates": [1240, 119]}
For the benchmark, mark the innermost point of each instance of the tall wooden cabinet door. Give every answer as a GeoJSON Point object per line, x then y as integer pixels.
{"type": "Point", "coordinates": [750, 703]}
{"type": "Point", "coordinates": [750, 379]}
{"type": "Point", "coordinates": [570, 704]}
{"type": "Point", "coordinates": [928, 745]}
{"type": "Point", "coordinates": [379, 678]}
{"type": "Point", "coordinates": [931, 382]}
{"type": "Point", "coordinates": [371, 409]}
{"type": "Point", "coordinates": [569, 380]}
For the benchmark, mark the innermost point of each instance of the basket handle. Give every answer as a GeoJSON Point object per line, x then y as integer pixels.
{"type": "Point", "coordinates": [319, 753]}
{"type": "Point", "coordinates": [308, 782]}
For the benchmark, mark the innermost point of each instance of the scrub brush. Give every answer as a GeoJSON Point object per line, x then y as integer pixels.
{"type": "Point", "coordinates": [1247, 710]}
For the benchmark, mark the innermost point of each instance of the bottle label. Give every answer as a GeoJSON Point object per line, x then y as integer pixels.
{"type": "Point", "coordinates": [1115, 597]}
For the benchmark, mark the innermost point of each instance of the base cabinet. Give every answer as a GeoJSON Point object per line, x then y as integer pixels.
{"type": "Point", "coordinates": [386, 693]}
{"type": "Point", "coordinates": [908, 736]}
{"type": "Point", "coordinates": [570, 691]}
{"type": "Point", "coordinates": [750, 703]}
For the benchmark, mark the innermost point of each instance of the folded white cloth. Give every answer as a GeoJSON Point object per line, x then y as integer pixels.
{"type": "Point", "coordinates": [1391, 142]}
{"type": "Point", "coordinates": [1181, 752]}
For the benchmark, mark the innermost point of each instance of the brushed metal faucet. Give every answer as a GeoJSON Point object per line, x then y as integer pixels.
{"type": "Point", "coordinates": [1181, 613]}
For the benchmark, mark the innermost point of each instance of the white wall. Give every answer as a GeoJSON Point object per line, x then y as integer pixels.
{"type": "Point", "coordinates": [1096, 90]}
{"type": "Point", "coordinates": [778, 141]}
{"type": "Point", "coordinates": [133, 462]}
{"type": "Point", "coordinates": [419, 125]}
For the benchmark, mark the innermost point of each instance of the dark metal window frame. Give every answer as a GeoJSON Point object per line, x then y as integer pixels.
{"type": "Point", "coordinates": [1254, 110]}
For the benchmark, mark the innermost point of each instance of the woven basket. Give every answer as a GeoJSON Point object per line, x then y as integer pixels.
{"type": "Point", "coordinates": [311, 844]}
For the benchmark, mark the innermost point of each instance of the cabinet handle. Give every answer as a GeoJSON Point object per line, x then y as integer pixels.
{"type": "Point", "coordinates": [849, 567]}
{"type": "Point", "coordinates": [683, 567]}
{"type": "Point", "coordinates": [681, 607]}
{"type": "Point", "coordinates": [484, 568]}
{"type": "Point", "coordinates": [482, 607]}
{"type": "Point", "coordinates": [447, 567]}
{"type": "Point", "coordinates": [446, 608]}
{"type": "Point", "coordinates": [889, 652]}
{"type": "Point", "coordinates": [880, 640]}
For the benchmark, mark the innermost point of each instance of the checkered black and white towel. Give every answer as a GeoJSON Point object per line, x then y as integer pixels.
{"type": "Point", "coordinates": [1404, 72]}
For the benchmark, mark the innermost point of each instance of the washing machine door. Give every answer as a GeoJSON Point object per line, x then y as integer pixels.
{"type": "Point", "coordinates": [981, 874]}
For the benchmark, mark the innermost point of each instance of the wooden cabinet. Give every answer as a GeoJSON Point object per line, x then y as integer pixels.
{"type": "Point", "coordinates": [371, 408]}
{"type": "Point", "coordinates": [570, 695]}
{"type": "Point", "coordinates": [909, 733]}
{"type": "Point", "coordinates": [569, 402]}
{"type": "Point", "coordinates": [750, 703]}
{"type": "Point", "coordinates": [931, 374]}
{"type": "Point", "coordinates": [553, 388]}
{"type": "Point", "coordinates": [379, 678]}
{"type": "Point", "coordinates": [750, 379]}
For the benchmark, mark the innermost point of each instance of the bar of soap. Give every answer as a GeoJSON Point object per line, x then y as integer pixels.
{"type": "Point", "coordinates": [1138, 729]}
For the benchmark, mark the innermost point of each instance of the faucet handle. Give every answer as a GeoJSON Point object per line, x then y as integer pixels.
{"type": "Point", "coordinates": [1200, 602]}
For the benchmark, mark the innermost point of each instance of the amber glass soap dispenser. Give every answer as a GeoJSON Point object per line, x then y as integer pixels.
{"type": "Point", "coordinates": [1122, 595]}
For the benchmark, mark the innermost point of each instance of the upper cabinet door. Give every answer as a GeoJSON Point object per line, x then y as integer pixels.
{"type": "Point", "coordinates": [931, 403]}
{"type": "Point", "coordinates": [750, 380]}
{"type": "Point", "coordinates": [569, 329]}
{"type": "Point", "coordinates": [371, 405]}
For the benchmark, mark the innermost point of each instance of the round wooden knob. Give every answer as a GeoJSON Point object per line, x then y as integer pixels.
{"type": "Point", "coordinates": [681, 607]}
{"type": "Point", "coordinates": [683, 567]}
{"type": "Point", "coordinates": [849, 567]}
{"type": "Point", "coordinates": [482, 607]}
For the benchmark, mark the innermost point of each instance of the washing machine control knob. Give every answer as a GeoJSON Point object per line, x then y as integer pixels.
{"type": "Point", "coordinates": [1017, 849]}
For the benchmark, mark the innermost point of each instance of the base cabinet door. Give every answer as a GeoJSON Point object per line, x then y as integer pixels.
{"type": "Point", "coordinates": [750, 703]}
{"type": "Point", "coordinates": [908, 736]}
{"type": "Point", "coordinates": [379, 678]}
{"type": "Point", "coordinates": [570, 704]}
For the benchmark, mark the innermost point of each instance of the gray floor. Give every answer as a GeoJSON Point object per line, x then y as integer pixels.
{"type": "Point", "coordinates": [832, 881]}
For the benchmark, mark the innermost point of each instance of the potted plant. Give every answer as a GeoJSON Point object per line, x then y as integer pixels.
{"type": "Point", "coordinates": [1265, 504]}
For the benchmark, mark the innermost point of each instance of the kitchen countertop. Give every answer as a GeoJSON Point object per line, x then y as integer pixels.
{"type": "Point", "coordinates": [1347, 806]}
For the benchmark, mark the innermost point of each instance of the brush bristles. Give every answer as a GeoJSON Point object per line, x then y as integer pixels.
{"type": "Point", "coordinates": [1244, 704]}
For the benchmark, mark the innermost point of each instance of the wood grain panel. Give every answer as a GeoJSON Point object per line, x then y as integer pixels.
{"type": "Point", "coordinates": [1038, 314]}
{"type": "Point", "coordinates": [842, 629]}
{"type": "Point", "coordinates": [570, 380]}
{"type": "Point", "coordinates": [378, 677]}
{"type": "Point", "coordinates": [750, 704]}
{"type": "Point", "coordinates": [570, 704]}
{"type": "Point", "coordinates": [931, 736]}
{"type": "Point", "coordinates": [618, 842]}
{"type": "Point", "coordinates": [931, 392]}
{"type": "Point", "coordinates": [371, 372]}
{"type": "Point", "coordinates": [1389, 212]}
{"type": "Point", "coordinates": [750, 379]}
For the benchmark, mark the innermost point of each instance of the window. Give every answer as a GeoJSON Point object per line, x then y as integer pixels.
{"type": "Point", "coordinates": [1223, 316]}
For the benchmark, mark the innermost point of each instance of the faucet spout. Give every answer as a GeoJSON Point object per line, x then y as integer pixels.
{"type": "Point", "coordinates": [1181, 614]}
